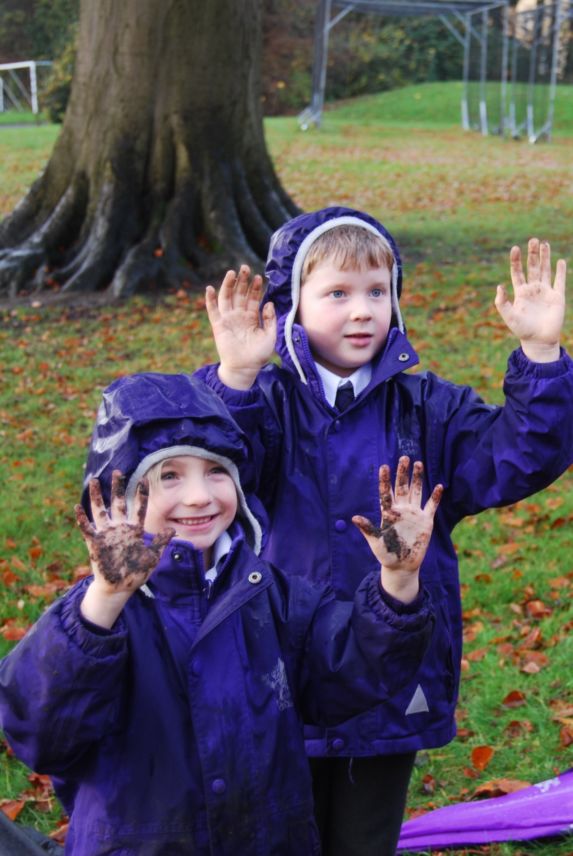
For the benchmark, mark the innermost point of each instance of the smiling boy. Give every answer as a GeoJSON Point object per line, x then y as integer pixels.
{"type": "Point", "coordinates": [165, 693]}
{"type": "Point", "coordinates": [212, 510]}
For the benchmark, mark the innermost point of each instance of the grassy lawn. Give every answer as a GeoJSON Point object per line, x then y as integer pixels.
{"type": "Point", "coordinates": [21, 117]}
{"type": "Point", "coordinates": [456, 201]}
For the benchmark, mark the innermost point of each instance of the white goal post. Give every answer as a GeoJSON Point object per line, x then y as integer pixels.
{"type": "Point", "coordinates": [19, 91]}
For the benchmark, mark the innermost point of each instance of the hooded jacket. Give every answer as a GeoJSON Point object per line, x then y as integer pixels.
{"type": "Point", "coordinates": [179, 730]}
{"type": "Point", "coordinates": [316, 467]}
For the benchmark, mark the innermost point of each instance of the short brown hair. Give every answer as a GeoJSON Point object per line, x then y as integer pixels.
{"type": "Point", "coordinates": [348, 246]}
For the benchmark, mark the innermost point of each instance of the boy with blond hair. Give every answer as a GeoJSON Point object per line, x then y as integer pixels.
{"type": "Point", "coordinates": [165, 693]}
{"type": "Point", "coordinates": [341, 403]}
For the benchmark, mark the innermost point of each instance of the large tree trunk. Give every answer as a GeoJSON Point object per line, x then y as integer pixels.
{"type": "Point", "coordinates": [160, 175]}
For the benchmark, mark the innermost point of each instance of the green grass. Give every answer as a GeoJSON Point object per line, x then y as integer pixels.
{"type": "Point", "coordinates": [427, 105]}
{"type": "Point", "coordinates": [21, 117]}
{"type": "Point", "coordinates": [435, 105]}
{"type": "Point", "coordinates": [23, 153]}
{"type": "Point", "coordinates": [456, 202]}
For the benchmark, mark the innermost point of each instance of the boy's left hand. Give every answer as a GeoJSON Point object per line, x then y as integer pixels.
{"type": "Point", "coordinates": [538, 309]}
{"type": "Point", "coordinates": [401, 540]}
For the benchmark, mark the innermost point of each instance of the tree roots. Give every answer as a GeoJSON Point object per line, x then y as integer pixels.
{"type": "Point", "coordinates": [103, 235]}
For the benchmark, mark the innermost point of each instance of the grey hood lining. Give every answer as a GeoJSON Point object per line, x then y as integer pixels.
{"type": "Point", "coordinates": [345, 220]}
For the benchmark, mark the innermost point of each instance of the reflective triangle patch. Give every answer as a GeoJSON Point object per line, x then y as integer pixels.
{"type": "Point", "coordinates": [419, 703]}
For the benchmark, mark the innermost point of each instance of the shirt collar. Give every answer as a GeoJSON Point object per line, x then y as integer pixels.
{"type": "Point", "coordinates": [330, 381]}
{"type": "Point", "coordinates": [220, 548]}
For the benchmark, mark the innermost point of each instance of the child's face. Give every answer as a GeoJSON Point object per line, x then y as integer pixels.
{"type": "Point", "coordinates": [346, 315]}
{"type": "Point", "coordinates": [194, 496]}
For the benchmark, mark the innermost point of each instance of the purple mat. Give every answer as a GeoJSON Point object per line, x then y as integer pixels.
{"type": "Point", "coordinates": [541, 810]}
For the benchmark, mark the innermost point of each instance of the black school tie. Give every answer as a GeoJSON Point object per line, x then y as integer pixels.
{"type": "Point", "coordinates": [344, 396]}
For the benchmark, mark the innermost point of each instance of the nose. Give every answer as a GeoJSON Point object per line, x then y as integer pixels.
{"type": "Point", "coordinates": [196, 492]}
{"type": "Point", "coordinates": [360, 309]}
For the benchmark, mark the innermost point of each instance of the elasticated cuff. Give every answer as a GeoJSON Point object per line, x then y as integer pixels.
{"type": "Point", "coordinates": [94, 641]}
{"type": "Point", "coordinates": [237, 397]}
{"type": "Point", "coordinates": [399, 606]}
{"type": "Point", "coordinates": [393, 611]}
{"type": "Point", "coordinates": [521, 364]}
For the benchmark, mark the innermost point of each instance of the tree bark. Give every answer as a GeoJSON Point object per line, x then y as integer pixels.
{"type": "Point", "coordinates": [160, 175]}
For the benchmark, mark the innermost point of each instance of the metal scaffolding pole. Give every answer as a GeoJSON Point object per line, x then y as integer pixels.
{"type": "Point", "coordinates": [483, 77]}
{"type": "Point", "coordinates": [558, 22]}
{"type": "Point", "coordinates": [504, 70]}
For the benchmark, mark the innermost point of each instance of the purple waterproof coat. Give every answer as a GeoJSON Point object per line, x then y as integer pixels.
{"type": "Point", "coordinates": [317, 467]}
{"type": "Point", "coordinates": [179, 731]}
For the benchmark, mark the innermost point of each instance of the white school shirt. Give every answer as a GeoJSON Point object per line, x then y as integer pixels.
{"type": "Point", "coordinates": [220, 548]}
{"type": "Point", "coordinates": [330, 381]}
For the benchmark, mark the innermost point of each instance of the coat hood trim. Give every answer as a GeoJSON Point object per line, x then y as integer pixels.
{"type": "Point", "coordinates": [344, 220]}
{"type": "Point", "coordinates": [198, 452]}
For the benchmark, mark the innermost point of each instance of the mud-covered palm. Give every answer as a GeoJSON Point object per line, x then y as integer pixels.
{"type": "Point", "coordinates": [245, 341]}
{"type": "Point", "coordinates": [401, 540]}
{"type": "Point", "coordinates": [120, 560]}
{"type": "Point", "coordinates": [538, 308]}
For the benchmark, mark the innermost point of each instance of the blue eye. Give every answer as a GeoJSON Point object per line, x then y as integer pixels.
{"type": "Point", "coordinates": [377, 292]}
{"type": "Point", "coordinates": [167, 475]}
{"type": "Point", "coordinates": [337, 293]}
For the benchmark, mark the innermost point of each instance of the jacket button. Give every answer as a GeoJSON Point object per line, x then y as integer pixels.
{"type": "Point", "coordinates": [196, 666]}
{"type": "Point", "coordinates": [177, 556]}
{"type": "Point", "coordinates": [255, 577]}
{"type": "Point", "coordinates": [337, 744]}
{"type": "Point", "coordinates": [403, 358]}
{"type": "Point", "coordinates": [340, 525]}
{"type": "Point", "coordinates": [218, 786]}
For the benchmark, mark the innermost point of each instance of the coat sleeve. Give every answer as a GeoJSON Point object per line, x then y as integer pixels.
{"type": "Point", "coordinates": [356, 654]}
{"type": "Point", "coordinates": [260, 413]}
{"type": "Point", "coordinates": [490, 456]}
{"type": "Point", "coordinates": [59, 687]}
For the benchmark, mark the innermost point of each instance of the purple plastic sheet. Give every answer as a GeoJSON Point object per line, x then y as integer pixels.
{"type": "Point", "coordinates": [542, 810]}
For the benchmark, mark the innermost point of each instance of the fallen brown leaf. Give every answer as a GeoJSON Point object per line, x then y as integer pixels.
{"type": "Point", "coordinates": [514, 699]}
{"type": "Point", "coordinates": [499, 787]}
{"type": "Point", "coordinates": [12, 808]}
{"type": "Point", "coordinates": [481, 756]}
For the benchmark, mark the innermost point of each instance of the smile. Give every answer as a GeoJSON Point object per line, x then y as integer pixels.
{"type": "Point", "coordinates": [194, 521]}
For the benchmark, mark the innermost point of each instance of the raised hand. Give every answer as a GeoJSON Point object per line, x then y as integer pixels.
{"type": "Point", "coordinates": [245, 342]}
{"type": "Point", "coordinates": [401, 540]}
{"type": "Point", "coordinates": [120, 560]}
{"type": "Point", "coordinates": [536, 314]}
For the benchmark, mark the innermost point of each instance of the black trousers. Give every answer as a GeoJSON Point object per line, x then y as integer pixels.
{"type": "Point", "coordinates": [360, 802]}
{"type": "Point", "coordinates": [16, 840]}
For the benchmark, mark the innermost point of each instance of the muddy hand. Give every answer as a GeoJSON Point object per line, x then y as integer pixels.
{"type": "Point", "coordinates": [118, 555]}
{"type": "Point", "coordinates": [401, 540]}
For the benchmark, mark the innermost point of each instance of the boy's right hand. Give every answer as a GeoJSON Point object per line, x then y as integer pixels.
{"type": "Point", "coordinates": [401, 540]}
{"type": "Point", "coordinates": [244, 344]}
{"type": "Point", "coordinates": [120, 560]}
